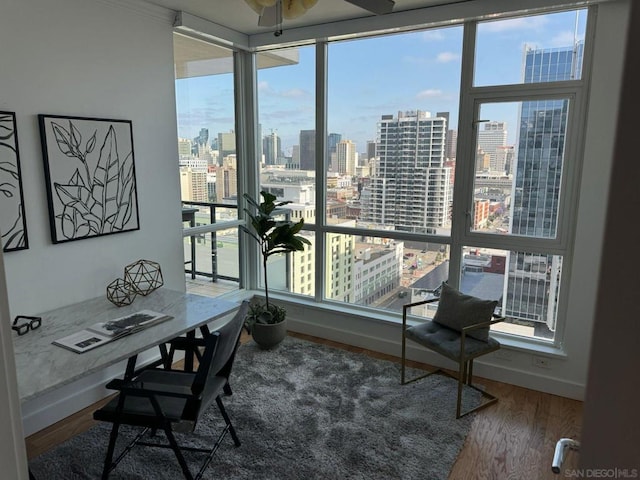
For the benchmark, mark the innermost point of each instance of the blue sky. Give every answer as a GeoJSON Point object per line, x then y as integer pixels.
{"type": "Point", "coordinates": [376, 76]}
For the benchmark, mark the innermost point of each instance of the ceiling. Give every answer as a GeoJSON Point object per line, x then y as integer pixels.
{"type": "Point", "coordinates": [237, 15]}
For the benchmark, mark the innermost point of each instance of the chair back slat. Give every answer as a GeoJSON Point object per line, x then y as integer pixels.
{"type": "Point", "coordinates": [220, 351]}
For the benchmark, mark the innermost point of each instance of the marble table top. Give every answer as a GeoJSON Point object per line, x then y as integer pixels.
{"type": "Point", "coordinates": [42, 367]}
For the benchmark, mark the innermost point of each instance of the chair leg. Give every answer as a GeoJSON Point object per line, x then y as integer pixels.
{"type": "Point", "coordinates": [108, 460]}
{"type": "Point", "coordinates": [178, 453]}
{"type": "Point", "coordinates": [227, 389]}
{"type": "Point", "coordinates": [466, 374]}
{"type": "Point", "coordinates": [403, 366]}
{"type": "Point", "coordinates": [227, 420]}
{"type": "Point", "coordinates": [403, 359]}
{"type": "Point", "coordinates": [462, 375]}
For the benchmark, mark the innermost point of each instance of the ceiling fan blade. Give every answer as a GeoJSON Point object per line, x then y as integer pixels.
{"type": "Point", "coordinates": [379, 7]}
{"type": "Point", "coordinates": [269, 17]}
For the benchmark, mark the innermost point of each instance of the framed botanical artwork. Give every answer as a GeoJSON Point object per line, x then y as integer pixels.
{"type": "Point", "coordinates": [13, 225]}
{"type": "Point", "coordinates": [90, 176]}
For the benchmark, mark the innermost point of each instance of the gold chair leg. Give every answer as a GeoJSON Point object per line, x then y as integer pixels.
{"type": "Point", "coordinates": [466, 374]}
{"type": "Point", "coordinates": [403, 361]}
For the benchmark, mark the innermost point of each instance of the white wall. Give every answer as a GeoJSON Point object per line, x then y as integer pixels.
{"type": "Point", "coordinates": [611, 434]}
{"type": "Point", "coordinates": [99, 59]}
{"type": "Point", "coordinates": [93, 59]}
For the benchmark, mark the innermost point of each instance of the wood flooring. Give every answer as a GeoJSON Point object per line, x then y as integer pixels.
{"type": "Point", "coordinates": [512, 440]}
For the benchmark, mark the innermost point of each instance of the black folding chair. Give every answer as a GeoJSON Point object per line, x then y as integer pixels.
{"type": "Point", "coordinates": [175, 400]}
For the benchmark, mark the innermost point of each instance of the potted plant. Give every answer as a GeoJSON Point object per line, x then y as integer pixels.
{"type": "Point", "coordinates": [267, 322]}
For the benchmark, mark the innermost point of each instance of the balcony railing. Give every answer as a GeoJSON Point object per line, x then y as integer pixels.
{"type": "Point", "coordinates": [212, 228]}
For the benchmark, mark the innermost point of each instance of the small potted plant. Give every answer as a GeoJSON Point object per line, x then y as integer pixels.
{"type": "Point", "coordinates": [267, 322]}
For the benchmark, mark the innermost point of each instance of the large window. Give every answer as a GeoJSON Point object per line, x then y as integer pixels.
{"type": "Point", "coordinates": [446, 153]}
{"type": "Point", "coordinates": [205, 99]}
{"type": "Point", "coordinates": [531, 49]}
{"type": "Point", "coordinates": [524, 154]}
{"type": "Point", "coordinates": [392, 119]}
{"type": "Point", "coordinates": [287, 153]}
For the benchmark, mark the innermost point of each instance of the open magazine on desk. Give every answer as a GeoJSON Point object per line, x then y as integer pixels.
{"type": "Point", "coordinates": [104, 332]}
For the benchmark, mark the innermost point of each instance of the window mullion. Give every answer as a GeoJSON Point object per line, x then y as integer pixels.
{"type": "Point", "coordinates": [321, 167]}
{"type": "Point", "coordinates": [247, 170]}
{"type": "Point", "coordinates": [465, 156]}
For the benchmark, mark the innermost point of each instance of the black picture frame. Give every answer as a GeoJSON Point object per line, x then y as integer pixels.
{"type": "Point", "coordinates": [13, 224]}
{"type": "Point", "coordinates": [90, 176]}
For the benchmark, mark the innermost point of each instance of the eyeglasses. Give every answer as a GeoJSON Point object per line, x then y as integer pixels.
{"type": "Point", "coordinates": [31, 324]}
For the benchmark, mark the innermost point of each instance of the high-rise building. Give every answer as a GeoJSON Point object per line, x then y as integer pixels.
{"type": "Point", "coordinates": [533, 278]}
{"type": "Point", "coordinates": [411, 187]}
{"type": "Point", "coordinates": [307, 149]}
{"type": "Point", "coordinates": [451, 144]}
{"type": "Point", "coordinates": [332, 141]}
{"type": "Point", "coordinates": [203, 137]}
{"type": "Point", "coordinates": [227, 178]}
{"type": "Point", "coordinates": [492, 136]}
{"type": "Point", "coordinates": [295, 157]}
{"type": "Point", "coordinates": [504, 160]}
{"type": "Point", "coordinates": [271, 146]}
{"type": "Point", "coordinates": [184, 147]}
{"type": "Point", "coordinates": [226, 144]}
{"type": "Point", "coordinates": [346, 157]}
{"type": "Point", "coordinates": [193, 184]}
{"type": "Point", "coordinates": [371, 153]}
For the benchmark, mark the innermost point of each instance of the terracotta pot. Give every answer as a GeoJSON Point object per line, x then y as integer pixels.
{"type": "Point", "coordinates": [269, 335]}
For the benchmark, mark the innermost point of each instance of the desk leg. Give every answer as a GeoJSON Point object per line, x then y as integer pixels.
{"type": "Point", "coordinates": [189, 354]}
{"type": "Point", "coordinates": [164, 355]}
{"type": "Point", "coordinates": [131, 368]}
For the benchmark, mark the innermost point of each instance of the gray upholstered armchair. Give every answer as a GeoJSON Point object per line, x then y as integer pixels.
{"type": "Point", "coordinates": [459, 331]}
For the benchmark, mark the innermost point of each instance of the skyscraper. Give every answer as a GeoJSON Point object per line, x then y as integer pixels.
{"type": "Point", "coordinates": [451, 146]}
{"type": "Point", "coordinates": [492, 136]}
{"type": "Point", "coordinates": [307, 149]}
{"type": "Point", "coordinates": [332, 142]}
{"type": "Point", "coordinates": [272, 148]}
{"type": "Point", "coordinates": [346, 157]}
{"type": "Point", "coordinates": [226, 143]}
{"type": "Point", "coordinates": [371, 152]}
{"type": "Point", "coordinates": [411, 188]}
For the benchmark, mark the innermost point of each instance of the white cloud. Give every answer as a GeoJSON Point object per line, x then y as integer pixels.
{"type": "Point", "coordinates": [523, 23]}
{"type": "Point", "coordinates": [432, 35]}
{"type": "Point", "coordinates": [294, 93]}
{"type": "Point", "coordinates": [265, 89]}
{"type": "Point", "coordinates": [564, 39]}
{"type": "Point", "coordinates": [446, 57]}
{"type": "Point", "coordinates": [414, 60]}
{"type": "Point", "coordinates": [429, 93]}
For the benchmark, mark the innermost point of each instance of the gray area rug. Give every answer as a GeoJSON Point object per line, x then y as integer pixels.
{"type": "Point", "coordinates": [302, 411]}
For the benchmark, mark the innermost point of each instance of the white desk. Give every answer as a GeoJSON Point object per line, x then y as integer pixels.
{"type": "Point", "coordinates": [42, 367]}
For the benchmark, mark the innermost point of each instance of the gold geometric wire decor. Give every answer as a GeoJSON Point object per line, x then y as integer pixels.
{"type": "Point", "coordinates": [144, 276]}
{"type": "Point", "coordinates": [120, 292]}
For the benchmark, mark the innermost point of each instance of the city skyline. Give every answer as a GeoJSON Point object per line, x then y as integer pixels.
{"type": "Point", "coordinates": [424, 76]}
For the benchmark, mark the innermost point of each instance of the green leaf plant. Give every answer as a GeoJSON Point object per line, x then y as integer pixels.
{"type": "Point", "coordinates": [273, 237]}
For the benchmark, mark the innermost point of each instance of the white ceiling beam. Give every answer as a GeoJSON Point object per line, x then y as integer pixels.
{"type": "Point", "coordinates": [409, 19]}
{"type": "Point", "coordinates": [210, 31]}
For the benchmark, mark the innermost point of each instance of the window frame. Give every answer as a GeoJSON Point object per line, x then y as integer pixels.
{"type": "Point", "coordinates": [471, 97]}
